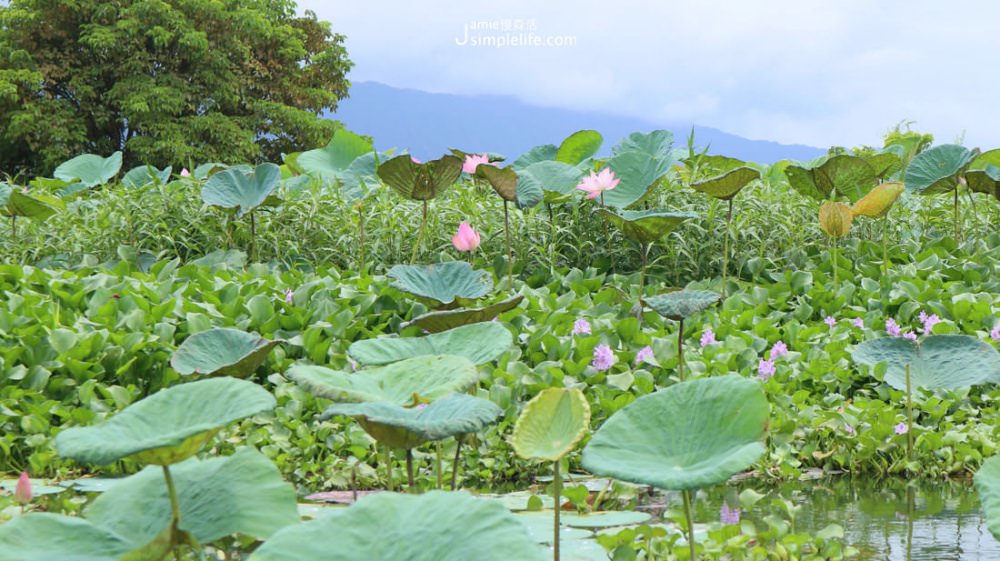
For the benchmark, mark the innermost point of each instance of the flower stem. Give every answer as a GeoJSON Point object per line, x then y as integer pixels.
{"type": "Point", "coordinates": [834, 263]}
{"type": "Point", "coordinates": [690, 523]}
{"type": "Point", "coordinates": [557, 491]}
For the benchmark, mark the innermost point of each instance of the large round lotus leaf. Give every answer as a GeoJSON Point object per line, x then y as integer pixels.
{"type": "Point", "coordinates": [579, 146]}
{"type": "Point", "coordinates": [436, 322]}
{"type": "Point", "coordinates": [646, 226]}
{"type": "Point", "coordinates": [435, 526]}
{"type": "Point", "coordinates": [479, 342]}
{"type": "Point", "coordinates": [409, 427]}
{"type": "Point", "coordinates": [936, 169]}
{"type": "Point", "coordinates": [443, 282]}
{"type": "Point", "coordinates": [604, 519]}
{"type": "Point", "coordinates": [687, 436]}
{"type": "Point", "coordinates": [885, 163]}
{"type": "Point", "coordinates": [420, 182]}
{"type": "Point", "coordinates": [233, 188]}
{"type": "Point", "coordinates": [551, 177]}
{"type": "Point", "coordinates": [423, 377]}
{"type": "Point", "coordinates": [638, 173]}
{"type": "Point", "coordinates": [658, 144]}
{"type": "Point", "coordinates": [727, 185]}
{"type": "Point", "coordinates": [541, 153]}
{"type": "Point", "coordinates": [52, 537]}
{"type": "Point", "coordinates": [878, 202]}
{"type": "Point", "coordinates": [712, 165]}
{"type": "Point", "coordinates": [141, 176]}
{"type": "Point", "coordinates": [985, 180]}
{"type": "Point", "coordinates": [551, 424]}
{"type": "Point", "coordinates": [540, 524]}
{"type": "Point", "coordinates": [343, 149]}
{"type": "Point", "coordinates": [89, 169]}
{"type": "Point", "coordinates": [503, 180]}
{"type": "Point", "coordinates": [682, 303]}
{"type": "Point", "coordinates": [221, 351]}
{"type": "Point", "coordinates": [839, 176]}
{"type": "Point", "coordinates": [987, 486]}
{"type": "Point", "coordinates": [239, 494]}
{"type": "Point", "coordinates": [14, 202]}
{"type": "Point", "coordinates": [164, 426]}
{"type": "Point", "coordinates": [835, 218]}
{"type": "Point", "coordinates": [936, 362]}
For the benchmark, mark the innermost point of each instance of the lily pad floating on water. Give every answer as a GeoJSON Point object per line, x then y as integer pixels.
{"type": "Point", "coordinates": [682, 304]}
{"type": "Point", "coordinates": [436, 322]}
{"type": "Point", "coordinates": [936, 362]}
{"type": "Point", "coordinates": [443, 282]}
{"type": "Point", "coordinates": [437, 525]}
{"type": "Point", "coordinates": [221, 352]}
{"type": "Point", "coordinates": [478, 342]}
{"type": "Point", "coordinates": [168, 426]}
{"type": "Point", "coordinates": [605, 519]}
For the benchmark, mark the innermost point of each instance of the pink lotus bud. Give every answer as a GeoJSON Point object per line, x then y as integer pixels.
{"type": "Point", "coordinates": [185, 173]}
{"type": "Point", "coordinates": [22, 492]}
{"type": "Point", "coordinates": [466, 239]}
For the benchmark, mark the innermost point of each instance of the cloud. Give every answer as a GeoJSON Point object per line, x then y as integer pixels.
{"type": "Point", "coordinates": [797, 71]}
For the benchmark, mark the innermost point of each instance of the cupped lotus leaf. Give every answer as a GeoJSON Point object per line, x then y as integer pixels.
{"type": "Point", "coordinates": [657, 143]}
{"type": "Point", "coordinates": [885, 163]}
{"type": "Point", "coordinates": [554, 179]}
{"type": "Point", "coordinates": [638, 173]}
{"type": "Point", "coordinates": [239, 494]}
{"type": "Point", "coordinates": [542, 153]}
{"type": "Point", "coordinates": [327, 162]}
{"type": "Point", "coordinates": [420, 182]}
{"type": "Point", "coordinates": [232, 188]}
{"type": "Point", "coordinates": [713, 165]}
{"type": "Point", "coordinates": [987, 158]}
{"type": "Point", "coordinates": [89, 169]}
{"type": "Point", "coordinates": [936, 361]}
{"type": "Point", "coordinates": [687, 436]}
{"type": "Point", "coordinates": [479, 342]}
{"type": "Point", "coordinates": [986, 180]}
{"type": "Point", "coordinates": [551, 424]}
{"type": "Point", "coordinates": [579, 146]}
{"type": "Point", "coordinates": [221, 351]}
{"type": "Point", "coordinates": [435, 526]}
{"type": "Point", "coordinates": [840, 176]}
{"type": "Point", "coordinates": [409, 427]}
{"type": "Point", "coordinates": [436, 322]}
{"type": "Point", "coordinates": [503, 180]}
{"type": "Point", "coordinates": [52, 537]}
{"type": "Point", "coordinates": [936, 170]}
{"type": "Point", "coordinates": [204, 171]}
{"type": "Point", "coordinates": [646, 226]}
{"type": "Point", "coordinates": [442, 282]}
{"type": "Point", "coordinates": [987, 480]}
{"type": "Point", "coordinates": [878, 202]}
{"type": "Point", "coordinates": [142, 176]}
{"type": "Point", "coordinates": [682, 304]}
{"type": "Point", "coordinates": [165, 421]}
{"type": "Point", "coordinates": [15, 202]}
{"type": "Point", "coordinates": [402, 383]}
{"type": "Point", "coordinates": [835, 218]}
{"type": "Point", "coordinates": [727, 185]}
{"type": "Point", "coordinates": [361, 177]}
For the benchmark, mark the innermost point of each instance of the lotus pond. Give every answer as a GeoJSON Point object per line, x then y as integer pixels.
{"type": "Point", "coordinates": [691, 356]}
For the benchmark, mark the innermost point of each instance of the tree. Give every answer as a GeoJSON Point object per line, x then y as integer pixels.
{"type": "Point", "coordinates": [167, 82]}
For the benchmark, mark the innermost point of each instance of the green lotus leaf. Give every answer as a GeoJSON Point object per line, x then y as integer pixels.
{"type": "Point", "coordinates": [52, 537]}
{"type": "Point", "coordinates": [832, 178]}
{"type": "Point", "coordinates": [542, 153]}
{"type": "Point", "coordinates": [164, 422]}
{"type": "Point", "coordinates": [90, 170]}
{"type": "Point", "coordinates": [479, 342]}
{"type": "Point", "coordinates": [579, 146]}
{"type": "Point", "coordinates": [221, 352]}
{"type": "Point", "coordinates": [555, 180]}
{"type": "Point", "coordinates": [936, 361]}
{"type": "Point", "coordinates": [987, 158]}
{"type": "Point", "coordinates": [443, 282]}
{"type": "Point", "coordinates": [503, 180]}
{"type": "Point", "coordinates": [657, 144]}
{"type": "Point", "coordinates": [604, 519]}
{"type": "Point", "coordinates": [142, 176]}
{"type": "Point", "coordinates": [361, 177]}
{"type": "Point", "coordinates": [204, 171]}
{"type": "Point", "coordinates": [551, 424]}
{"type": "Point", "coordinates": [409, 427]}
{"type": "Point", "coordinates": [936, 170]}
{"type": "Point", "coordinates": [638, 173]}
{"type": "Point", "coordinates": [713, 165]}
{"type": "Point", "coordinates": [436, 322]}
{"type": "Point", "coordinates": [987, 486]}
{"type": "Point", "coordinates": [646, 226]}
{"type": "Point", "coordinates": [420, 182]}
{"type": "Point", "coordinates": [727, 185]}
{"type": "Point", "coordinates": [232, 188]}
{"type": "Point", "coordinates": [682, 304]}
{"type": "Point", "coordinates": [14, 202]}
{"type": "Point", "coordinates": [984, 174]}
{"type": "Point", "coordinates": [239, 494]}
{"type": "Point", "coordinates": [435, 526]}
{"type": "Point", "coordinates": [328, 162]}
{"type": "Point", "coordinates": [423, 377]}
{"type": "Point", "coordinates": [885, 163]}
{"type": "Point", "coordinates": [687, 436]}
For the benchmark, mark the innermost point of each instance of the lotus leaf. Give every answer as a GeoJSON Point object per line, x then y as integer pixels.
{"type": "Point", "coordinates": [420, 182]}
{"type": "Point", "coordinates": [988, 487]}
{"type": "Point", "coordinates": [682, 303]}
{"type": "Point", "coordinates": [51, 537]}
{"type": "Point", "coordinates": [579, 146]}
{"type": "Point", "coordinates": [878, 201]}
{"type": "Point", "coordinates": [444, 282]}
{"type": "Point", "coordinates": [542, 153]}
{"type": "Point", "coordinates": [835, 218]}
{"type": "Point", "coordinates": [141, 176]}
{"type": "Point", "coordinates": [885, 163]}
{"type": "Point", "coordinates": [936, 170]}
{"type": "Point", "coordinates": [232, 188]}
{"type": "Point", "coordinates": [328, 162]}
{"type": "Point", "coordinates": [639, 172]}
{"type": "Point", "coordinates": [831, 178]}
{"type": "Point", "coordinates": [646, 226]}
{"type": "Point", "coordinates": [221, 352]}
{"type": "Point", "coordinates": [14, 202]}
{"type": "Point", "coordinates": [479, 342]}
{"type": "Point", "coordinates": [552, 423]}
{"type": "Point", "coordinates": [657, 143]}
{"type": "Point", "coordinates": [503, 180]}
{"type": "Point", "coordinates": [436, 322]}
{"type": "Point", "coordinates": [727, 185]}
{"type": "Point", "coordinates": [936, 361]}
{"type": "Point", "coordinates": [90, 170]}
{"type": "Point", "coordinates": [548, 180]}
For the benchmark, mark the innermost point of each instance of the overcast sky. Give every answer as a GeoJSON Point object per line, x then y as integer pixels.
{"type": "Point", "coordinates": [831, 72]}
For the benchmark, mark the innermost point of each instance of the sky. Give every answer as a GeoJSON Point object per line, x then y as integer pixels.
{"type": "Point", "coordinates": [821, 73]}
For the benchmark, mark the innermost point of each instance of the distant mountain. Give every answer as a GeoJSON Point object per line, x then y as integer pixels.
{"type": "Point", "coordinates": [429, 124]}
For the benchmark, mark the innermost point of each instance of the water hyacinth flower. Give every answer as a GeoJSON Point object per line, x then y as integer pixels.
{"type": "Point", "coordinates": [849, 430]}
{"type": "Point", "coordinates": [643, 355]}
{"type": "Point", "coordinates": [597, 183]}
{"type": "Point", "coordinates": [765, 369]}
{"type": "Point", "coordinates": [910, 335]}
{"type": "Point", "coordinates": [472, 161]}
{"type": "Point", "coordinates": [779, 349]}
{"type": "Point", "coordinates": [901, 428]}
{"type": "Point", "coordinates": [995, 333]}
{"type": "Point", "coordinates": [604, 358]}
{"type": "Point", "coordinates": [288, 295]}
{"type": "Point", "coordinates": [929, 322]}
{"type": "Point", "coordinates": [729, 516]}
{"type": "Point", "coordinates": [892, 328]}
{"type": "Point", "coordinates": [708, 338]}
{"type": "Point", "coordinates": [859, 323]}
{"type": "Point", "coordinates": [830, 321]}
{"type": "Point", "coordinates": [466, 239]}
{"type": "Point", "coordinates": [581, 327]}
{"type": "Point", "coordinates": [22, 491]}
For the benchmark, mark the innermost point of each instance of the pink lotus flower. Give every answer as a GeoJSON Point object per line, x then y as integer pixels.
{"type": "Point", "coordinates": [901, 428]}
{"type": "Point", "coordinates": [644, 354]}
{"type": "Point", "coordinates": [765, 369]}
{"type": "Point", "coordinates": [416, 161]}
{"type": "Point", "coordinates": [472, 161]}
{"type": "Point", "coordinates": [708, 338]}
{"type": "Point", "coordinates": [466, 239]}
{"type": "Point", "coordinates": [185, 173]}
{"type": "Point", "coordinates": [597, 183]}
{"type": "Point", "coordinates": [604, 358]}
{"type": "Point", "coordinates": [581, 327]}
{"type": "Point", "coordinates": [779, 349]}
{"type": "Point", "coordinates": [22, 491]}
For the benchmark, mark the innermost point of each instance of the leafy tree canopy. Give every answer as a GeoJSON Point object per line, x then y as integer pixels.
{"type": "Point", "coordinates": [167, 82]}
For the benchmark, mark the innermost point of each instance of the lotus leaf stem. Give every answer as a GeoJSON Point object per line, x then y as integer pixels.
{"type": "Point", "coordinates": [689, 518]}
{"type": "Point", "coordinates": [388, 469]}
{"type": "Point", "coordinates": [909, 417]}
{"type": "Point", "coordinates": [556, 491]}
{"type": "Point", "coordinates": [834, 254]}
{"type": "Point", "coordinates": [644, 252]}
{"type": "Point", "coordinates": [361, 234]}
{"type": "Point", "coordinates": [13, 228]}
{"type": "Point", "coordinates": [438, 466]}
{"type": "Point", "coordinates": [253, 238]}
{"type": "Point", "coordinates": [458, 456]}
{"type": "Point", "coordinates": [175, 508]}
{"type": "Point", "coordinates": [680, 349]}
{"type": "Point", "coordinates": [958, 226]}
{"type": "Point", "coordinates": [885, 246]}
{"type": "Point", "coordinates": [725, 247]}
{"type": "Point", "coordinates": [409, 471]}
{"type": "Point", "coordinates": [420, 235]}
{"type": "Point", "coordinates": [510, 256]}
